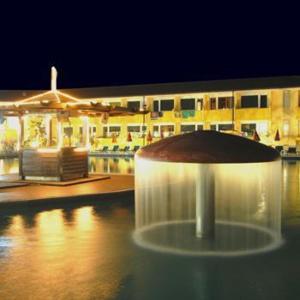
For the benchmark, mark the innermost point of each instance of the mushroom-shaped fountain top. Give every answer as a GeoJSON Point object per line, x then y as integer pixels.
{"type": "Point", "coordinates": [207, 146]}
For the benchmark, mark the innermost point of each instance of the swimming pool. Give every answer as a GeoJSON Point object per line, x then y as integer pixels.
{"type": "Point", "coordinates": [86, 252]}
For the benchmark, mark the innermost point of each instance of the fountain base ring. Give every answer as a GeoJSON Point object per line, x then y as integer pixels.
{"type": "Point", "coordinates": [231, 239]}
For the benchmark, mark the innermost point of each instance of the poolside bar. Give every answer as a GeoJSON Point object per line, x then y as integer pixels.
{"type": "Point", "coordinates": [48, 156]}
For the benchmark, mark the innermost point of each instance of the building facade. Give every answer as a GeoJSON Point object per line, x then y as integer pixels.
{"type": "Point", "coordinates": [264, 105]}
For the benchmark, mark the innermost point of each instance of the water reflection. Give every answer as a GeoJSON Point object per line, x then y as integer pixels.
{"type": "Point", "coordinates": [9, 166]}
{"type": "Point", "coordinates": [70, 252]}
{"type": "Point", "coordinates": [111, 165]}
{"type": "Point", "coordinates": [119, 165]}
{"type": "Point", "coordinates": [86, 252]}
{"type": "Point", "coordinates": [291, 192]}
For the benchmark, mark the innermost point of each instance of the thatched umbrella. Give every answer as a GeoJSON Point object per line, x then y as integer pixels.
{"type": "Point", "coordinates": [277, 136]}
{"type": "Point", "coordinates": [114, 138]}
{"type": "Point", "coordinates": [129, 138]}
{"type": "Point", "coordinates": [256, 136]}
{"type": "Point", "coordinates": [149, 137]}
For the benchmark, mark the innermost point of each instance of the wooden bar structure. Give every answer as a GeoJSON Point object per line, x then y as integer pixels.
{"type": "Point", "coordinates": [66, 163]}
{"type": "Point", "coordinates": [57, 163]}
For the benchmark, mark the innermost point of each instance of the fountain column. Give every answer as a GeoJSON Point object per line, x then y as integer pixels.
{"type": "Point", "coordinates": [205, 202]}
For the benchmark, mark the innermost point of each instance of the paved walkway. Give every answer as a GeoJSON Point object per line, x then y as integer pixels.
{"type": "Point", "coordinates": [115, 185]}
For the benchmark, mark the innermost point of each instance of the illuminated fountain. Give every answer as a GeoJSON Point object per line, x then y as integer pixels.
{"type": "Point", "coordinates": [208, 193]}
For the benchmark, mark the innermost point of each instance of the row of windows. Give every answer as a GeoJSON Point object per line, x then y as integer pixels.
{"type": "Point", "coordinates": [249, 101]}
{"type": "Point", "coordinates": [167, 130]}
{"type": "Point", "coordinates": [227, 102]}
{"type": "Point", "coordinates": [184, 128]}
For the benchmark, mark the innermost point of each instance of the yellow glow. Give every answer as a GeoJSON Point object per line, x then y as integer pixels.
{"type": "Point", "coordinates": [286, 128]}
{"type": "Point", "coordinates": [47, 150]}
{"type": "Point", "coordinates": [12, 122]}
{"type": "Point", "coordinates": [84, 218]}
{"type": "Point", "coordinates": [68, 96]}
{"type": "Point", "coordinates": [45, 101]}
{"type": "Point", "coordinates": [34, 144]}
{"type": "Point", "coordinates": [80, 150]}
{"type": "Point", "coordinates": [31, 98]}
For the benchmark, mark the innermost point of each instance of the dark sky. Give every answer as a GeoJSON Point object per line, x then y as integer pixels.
{"type": "Point", "coordinates": [94, 45]}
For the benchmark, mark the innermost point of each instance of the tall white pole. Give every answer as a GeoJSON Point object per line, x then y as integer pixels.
{"type": "Point", "coordinates": [53, 79]}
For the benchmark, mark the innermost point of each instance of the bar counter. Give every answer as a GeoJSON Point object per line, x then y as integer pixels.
{"type": "Point", "coordinates": [62, 164]}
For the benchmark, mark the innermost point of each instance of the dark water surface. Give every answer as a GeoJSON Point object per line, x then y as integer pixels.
{"type": "Point", "coordinates": [86, 252]}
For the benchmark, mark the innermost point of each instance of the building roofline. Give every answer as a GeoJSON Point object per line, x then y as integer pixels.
{"type": "Point", "coordinates": [165, 88]}
{"type": "Point", "coordinates": [186, 87]}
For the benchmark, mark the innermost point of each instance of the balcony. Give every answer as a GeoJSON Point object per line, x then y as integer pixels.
{"type": "Point", "coordinates": [255, 113]}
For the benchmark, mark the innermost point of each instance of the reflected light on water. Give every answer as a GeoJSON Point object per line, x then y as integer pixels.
{"type": "Point", "coordinates": [51, 229]}
{"type": "Point", "coordinates": [94, 258]}
{"type": "Point", "coordinates": [84, 219]}
{"type": "Point", "coordinates": [62, 252]}
{"type": "Point", "coordinates": [9, 166]}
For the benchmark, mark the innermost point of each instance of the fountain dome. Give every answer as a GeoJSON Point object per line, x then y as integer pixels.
{"type": "Point", "coordinates": [208, 193]}
{"type": "Point", "coordinates": [207, 146]}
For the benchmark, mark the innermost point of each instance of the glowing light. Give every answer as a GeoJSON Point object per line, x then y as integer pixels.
{"type": "Point", "coordinates": [47, 150]}
{"type": "Point", "coordinates": [80, 150]}
{"type": "Point", "coordinates": [45, 102]}
{"type": "Point", "coordinates": [12, 122]}
{"type": "Point", "coordinates": [286, 128]}
{"type": "Point", "coordinates": [34, 144]}
{"type": "Point", "coordinates": [84, 218]}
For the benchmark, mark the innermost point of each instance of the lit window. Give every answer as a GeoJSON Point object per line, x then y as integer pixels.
{"type": "Point", "coordinates": [225, 127]}
{"type": "Point", "coordinates": [167, 130]}
{"type": "Point", "coordinates": [262, 128]}
{"type": "Point", "coordinates": [249, 101]}
{"type": "Point", "coordinates": [213, 103]}
{"type": "Point", "coordinates": [187, 104]}
{"type": "Point", "coordinates": [248, 129]}
{"type": "Point", "coordinates": [186, 128]}
{"type": "Point", "coordinates": [286, 128]}
{"type": "Point", "coordinates": [167, 105]}
{"type": "Point", "coordinates": [109, 130]}
{"type": "Point", "coordinates": [133, 105]}
{"type": "Point", "coordinates": [225, 102]}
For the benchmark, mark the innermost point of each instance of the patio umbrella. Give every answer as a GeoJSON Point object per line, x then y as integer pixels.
{"type": "Point", "coordinates": [149, 137]}
{"type": "Point", "coordinates": [277, 136]}
{"type": "Point", "coordinates": [256, 136]}
{"type": "Point", "coordinates": [129, 138]}
{"type": "Point", "coordinates": [114, 138]}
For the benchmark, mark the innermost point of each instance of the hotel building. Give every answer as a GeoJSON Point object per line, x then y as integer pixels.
{"type": "Point", "coordinates": [243, 106]}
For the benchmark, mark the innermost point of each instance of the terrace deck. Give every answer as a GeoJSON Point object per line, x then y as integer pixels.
{"type": "Point", "coordinates": [115, 186]}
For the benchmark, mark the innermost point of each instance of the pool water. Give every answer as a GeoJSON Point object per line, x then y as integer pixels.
{"type": "Point", "coordinates": [86, 252]}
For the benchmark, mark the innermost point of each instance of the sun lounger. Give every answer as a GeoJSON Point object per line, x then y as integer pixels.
{"type": "Point", "coordinates": [136, 148]}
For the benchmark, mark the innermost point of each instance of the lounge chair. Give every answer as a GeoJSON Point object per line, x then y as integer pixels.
{"type": "Point", "coordinates": [136, 148]}
{"type": "Point", "coordinates": [115, 148]}
{"type": "Point", "coordinates": [279, 148]}
{"type": "Point", "coordinates": [126, 149]}
{"type": "Point", "coordinates": [105, 149]}
{"type": "Point", "coordinates": [292, 150]}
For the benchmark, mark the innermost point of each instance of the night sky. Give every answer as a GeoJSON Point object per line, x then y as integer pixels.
{"type": "Point", "coordinates": [114, 44]}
